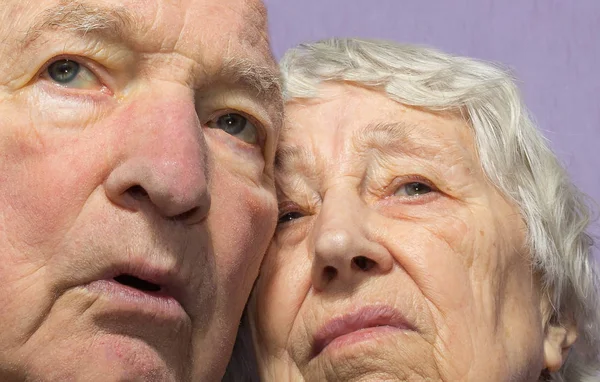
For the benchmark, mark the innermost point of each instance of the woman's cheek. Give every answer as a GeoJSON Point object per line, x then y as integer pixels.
{"type": "Point", "coordinates": [283, 285]}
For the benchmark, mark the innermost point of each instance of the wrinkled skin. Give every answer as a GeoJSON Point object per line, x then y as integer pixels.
{"type": "Point", "coordinates": [128, 165]}
{"type": "Point", "coordinates": [443, 249]}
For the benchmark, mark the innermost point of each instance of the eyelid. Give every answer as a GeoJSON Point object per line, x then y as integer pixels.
{"type": "Point", "coordinates": [259, 125]}
{"type": "Point", "coordinates": [95, 68]}
{"type": "Point", "coordinates": [405, 179]}
{"type": "Point", "coordinates": [287, 207]}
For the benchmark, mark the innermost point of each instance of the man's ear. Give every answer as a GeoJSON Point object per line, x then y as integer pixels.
{"type": "Point", "coordinates": [557, 343]}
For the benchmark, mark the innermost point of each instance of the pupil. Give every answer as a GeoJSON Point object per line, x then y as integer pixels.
{"type": "Point", "coordinates": [63, 71]}
{"type": "Point", "coordinates": [289, 217]}
{"type": "Point", "coordinates": [234, 123]}
{"type": "Point", "coordinates": [418, 188]}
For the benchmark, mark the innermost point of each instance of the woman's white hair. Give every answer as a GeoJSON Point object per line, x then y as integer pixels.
{"type": "Point", "coordinates": [514, 155]}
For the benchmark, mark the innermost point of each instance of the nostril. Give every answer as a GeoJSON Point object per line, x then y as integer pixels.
{"type": "Point", "coordinates": [137, 192]}
{"type": "Point", "coordinates": [186, 215]}
{"type": "Point", "coordinates": [329, 273]}
{"type": "Point", "coordinates": [363, 263]}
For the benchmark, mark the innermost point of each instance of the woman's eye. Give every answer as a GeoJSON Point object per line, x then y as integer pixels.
{"type": "Point", "coordinates": [71, 74]}
{"type": "Point", "coordinates": [236, 125]}
{"type": "Point", "coordinates": [413, 189]}
{"type": "Point", "coordinates": [287, 217]}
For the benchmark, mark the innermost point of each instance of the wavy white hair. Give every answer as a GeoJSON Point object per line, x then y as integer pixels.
{"type": "Point", "coordinates": [514, 155]}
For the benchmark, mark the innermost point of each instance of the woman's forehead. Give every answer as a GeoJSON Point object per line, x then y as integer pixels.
{"type": "Point", "coordinates": [350, 120]}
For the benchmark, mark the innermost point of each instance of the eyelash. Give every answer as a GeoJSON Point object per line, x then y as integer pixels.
{"type": "Point", "coordinates": [288, 208]}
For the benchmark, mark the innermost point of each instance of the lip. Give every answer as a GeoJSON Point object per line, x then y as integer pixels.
{"type": "Point", "coordinates": [361, 325]}
{"type": "Point", "coordinates": [167, 303]}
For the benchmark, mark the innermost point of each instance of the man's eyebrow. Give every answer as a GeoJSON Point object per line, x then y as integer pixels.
{"type": "Point", "coordinates": [79, 17]}
{"type": "Point", "coordinates": [264, 81]}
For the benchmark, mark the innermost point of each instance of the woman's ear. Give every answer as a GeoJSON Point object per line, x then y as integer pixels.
{"type": "Point", "coordinates": [560, 336]}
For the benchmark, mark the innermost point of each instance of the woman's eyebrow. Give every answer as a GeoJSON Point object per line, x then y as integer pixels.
{"type": "Point", "coordinates": [288, 157]}
{"type": "Point", "coordinates": [395, 138]}
{"type": "Point", "coordinates": [390, 138]}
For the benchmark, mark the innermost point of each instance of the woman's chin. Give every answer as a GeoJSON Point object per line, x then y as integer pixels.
{"type": "Point", "coordinates": [381, 353]}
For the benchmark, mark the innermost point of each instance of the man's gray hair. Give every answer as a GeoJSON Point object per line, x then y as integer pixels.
{"type": "Point", "coordinates": [514, 155]}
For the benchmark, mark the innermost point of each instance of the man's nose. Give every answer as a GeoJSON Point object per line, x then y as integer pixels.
{"type": "Point", "coordinates": [346, 251]}
{"type": "Point", "coordinates": [162, 161]}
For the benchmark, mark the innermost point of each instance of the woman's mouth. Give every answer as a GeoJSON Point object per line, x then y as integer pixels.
{"type": "Point", "coordinates": [362, 325]}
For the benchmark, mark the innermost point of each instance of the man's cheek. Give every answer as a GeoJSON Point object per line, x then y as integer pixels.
{"type": "Point", "coordinates": [47, 190]}
{"type": "Point", "coordinates": [244, 221]}
{"type": "Point", "coordinates": [22, 278]}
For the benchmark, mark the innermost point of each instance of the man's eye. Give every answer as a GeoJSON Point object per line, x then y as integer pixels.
{"type": "Point", "coordinates": [71, 74]}
{"type": "Point", "coordinates": [236, 125]}
{"type": "Point", "coordinates": [413, 189]}
{"type": "Point", "coordinates": [289, 216]}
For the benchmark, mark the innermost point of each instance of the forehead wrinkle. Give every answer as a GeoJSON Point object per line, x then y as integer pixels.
{"type": "Point", "coordinates": [257, 16]}
{"type": "Point", "coordinates": [254, 30]}
{"type": "Point", "coordinates": [83, 19]}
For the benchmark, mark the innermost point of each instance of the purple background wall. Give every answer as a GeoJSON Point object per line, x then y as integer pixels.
{"type": "Point", "coordinates": [553, 47]}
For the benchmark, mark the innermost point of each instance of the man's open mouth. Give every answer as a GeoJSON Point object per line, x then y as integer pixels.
{"type": "Point", "coordinates": [142, 290]}
{"type": "Point", "coordinates": [137, 283]}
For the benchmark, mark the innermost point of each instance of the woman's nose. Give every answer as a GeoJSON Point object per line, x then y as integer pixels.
{"type": "Point", "coordinates": [345, 249]}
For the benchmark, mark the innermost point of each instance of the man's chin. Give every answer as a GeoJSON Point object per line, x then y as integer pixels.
{"type": "Point", "coordinates": [134, 358]}
{"type": "Point", "coordinates": [110, 357]}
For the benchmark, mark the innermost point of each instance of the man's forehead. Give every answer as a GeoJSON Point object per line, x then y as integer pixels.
{"type": "Point", "coordinates": [209, 32]}
{"type": "Point", "coordinates": [256, 11]}
{"type": "Point", "coordinates": [160, 24]}
{"type": "Point", "coordinates": [255, 17]}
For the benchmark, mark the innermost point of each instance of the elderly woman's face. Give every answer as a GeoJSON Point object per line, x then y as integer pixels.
{"type": "Point", "coordinates": [394, 257]}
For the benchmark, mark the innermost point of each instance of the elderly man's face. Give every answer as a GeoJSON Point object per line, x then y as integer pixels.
{"type": "Point", "coordinates": [136, 188]}
{"type": "Point", "coordinates": [394, 257]}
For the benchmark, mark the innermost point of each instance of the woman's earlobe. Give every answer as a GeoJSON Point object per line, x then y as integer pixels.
{"type": "Point", "coordinates": [558, 341]}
